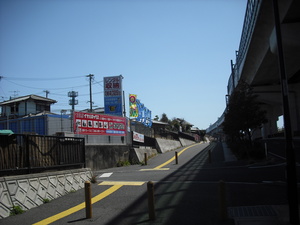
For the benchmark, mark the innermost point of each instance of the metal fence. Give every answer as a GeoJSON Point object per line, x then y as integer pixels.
{"type": "Point", "coordinates": [21, 153]}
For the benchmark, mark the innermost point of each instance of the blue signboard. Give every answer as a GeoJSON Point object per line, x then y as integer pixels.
{"type": "Point", "coordinates": [113, 105]}
{"type": "Point", "coordinates": [144, 114]}
{"type": "Point", "coordinates": [113, 95]}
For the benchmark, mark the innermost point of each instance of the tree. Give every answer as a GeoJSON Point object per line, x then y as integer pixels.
{"type": "Point", "coordinates": [164, 118]}
{"type": "Point", "coordinates": [175, 125]}
{"type": "Point", "coordinates": [244, 113]}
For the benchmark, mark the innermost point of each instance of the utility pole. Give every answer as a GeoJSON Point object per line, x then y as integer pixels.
{"type": "Point", "coordinates": [72, 102]}
{"type": "Point", "coordinates": [15, 94]}
{"type": "Point", "coordinates": [91, 77]}
{"type": "Point", "coordinates": [47, 92]}
{"type": "Point", "coordinates": [291, 172]}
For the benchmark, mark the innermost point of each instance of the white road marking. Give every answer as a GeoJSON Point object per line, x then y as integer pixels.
{"type": "Point", "coordinates": [106, 175]}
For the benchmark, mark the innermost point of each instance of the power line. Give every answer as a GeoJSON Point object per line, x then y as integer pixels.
{"type": "Point", "coordinates": [46, 88]}
{"type": "Point", "coordinates": [40, 79]}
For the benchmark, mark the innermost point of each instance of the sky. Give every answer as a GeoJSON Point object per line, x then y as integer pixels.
{"type": "Point", "coordinates": [173, 54]}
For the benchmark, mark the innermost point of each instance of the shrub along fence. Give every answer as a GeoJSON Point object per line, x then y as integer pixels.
{"type": "Point", "coordinates": [20, 153]}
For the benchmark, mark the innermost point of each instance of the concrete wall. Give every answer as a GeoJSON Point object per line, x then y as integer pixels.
{"type": "Point", "coordinates": [29, 191]}
{"type": "Point", "coordinates": [137, 155]}
{"type": "Point", "coordinates": [165, 145]}
{"type": "Point", "coordinates": [186, 142]}
{"type": "Point", "coordinates": [105, 156]}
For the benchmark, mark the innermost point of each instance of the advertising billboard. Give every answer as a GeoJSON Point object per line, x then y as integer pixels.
{"type": "Point", "coordinates": [138, 137]}
{"type": "Point", "coordinates": [139, 111]}
{"type": "Point", "coordinates": [133, 110]}
{"type": "Point", "coordinates": [99, 124]}
{"type": "Point", "coordinates": [113, 95]}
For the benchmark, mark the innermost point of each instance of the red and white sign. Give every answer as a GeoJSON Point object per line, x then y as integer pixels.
{"type": "Point", "coordinates": [89, 123]}
{"type": "Point", "coordinates": [138, 137]}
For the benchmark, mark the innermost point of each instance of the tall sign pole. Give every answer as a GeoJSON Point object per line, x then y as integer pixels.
{"type": "Point", "coordinates": [91, 76]}
{"type": "Point", "coordinates": [291, 171]}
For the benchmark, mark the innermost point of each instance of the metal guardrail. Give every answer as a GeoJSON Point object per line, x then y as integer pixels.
{"type": "Point", "coordinates": [21, 153]}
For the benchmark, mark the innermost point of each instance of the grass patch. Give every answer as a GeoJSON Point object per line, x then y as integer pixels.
{"type": "Point", "coordinates": [123, 163]}
{"type": "Point", "coordinates": [93, 179]}
{"type": "Point", "coordinates": [46, 200]}
{"type": "Point", "coordinates": [16, 210]}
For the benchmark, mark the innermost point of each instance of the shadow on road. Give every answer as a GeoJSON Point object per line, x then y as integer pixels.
{"type": "Point", "coordinates": [190, 195]}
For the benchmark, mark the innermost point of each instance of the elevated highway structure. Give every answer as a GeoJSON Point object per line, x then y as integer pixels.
{"type": "Point", "coordinates": [257, 62]}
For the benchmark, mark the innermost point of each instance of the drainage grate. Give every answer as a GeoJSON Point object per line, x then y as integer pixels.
{"type": "Point", "coordinates": [251, 211]}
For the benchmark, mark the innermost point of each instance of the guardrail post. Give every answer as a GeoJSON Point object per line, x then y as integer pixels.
{"type": "Point", "coordinates": [222, 201]}
{"type": "Point", "coordinates": [88, 199]}
{"type": "Point", "coordinates": [151, 207]}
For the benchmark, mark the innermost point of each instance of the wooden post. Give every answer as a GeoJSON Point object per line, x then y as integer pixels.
{"type": "Point", "coordinates": [146, 159]}
{"type": "Point", "coordinates": [151, 207]}
{"type": "Point", "coordinates": [88, 199]}
{"type": "Point", "coordinates": [222, 201]}
{"type": "Point", "coordinates": [209, 156]}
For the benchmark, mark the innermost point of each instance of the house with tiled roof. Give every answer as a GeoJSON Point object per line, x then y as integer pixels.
{"type": "Point", "coordinates": [26, 105]}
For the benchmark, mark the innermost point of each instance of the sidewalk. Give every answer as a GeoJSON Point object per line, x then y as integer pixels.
{"type": "Point", "coordinates": [261, 215]}
{"type": "Point", "coordinates": [228, 156]}
{"type": "Point", "coordinates": [256, 215]}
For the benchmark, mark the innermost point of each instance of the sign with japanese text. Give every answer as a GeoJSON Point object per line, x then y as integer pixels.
{"type": "Point", "coordinates": [99, 124]}
{"type": "Point", "coordinates": [144, 114]}
{"type": "Point", "coordinates": [113, 95]}
{"type": "Point", "coordinates": [138, 137]}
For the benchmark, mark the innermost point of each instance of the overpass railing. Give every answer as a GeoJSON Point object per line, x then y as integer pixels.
{"type": "Point", "coordinates": [251, 14]}
{"type": "Point", "coordinates": [214, 126]}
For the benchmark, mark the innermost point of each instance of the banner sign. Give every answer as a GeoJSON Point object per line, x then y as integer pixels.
{"type": "Point", "coordinates": [99, 124]}
{"type": "Point", "coordinates": [144, 114]}
{"type": "Point", "coordinates": [138, 137]}
{"type": "Point", "coordinates": [113, 95]}
{"type": "Point", "coordinates": [139, 111]}
{"type": "Point", "coordinates": [133, 110]}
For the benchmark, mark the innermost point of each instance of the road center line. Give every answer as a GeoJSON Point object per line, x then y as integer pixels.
{"type": "Point", "coordinates": [78, 207]}
{"type": "Point", "coordinates": [173, 158]}
{"type": "Point", "coordinates": [154, 169]}
{"type": "Point", "coordinates": [127, 183]}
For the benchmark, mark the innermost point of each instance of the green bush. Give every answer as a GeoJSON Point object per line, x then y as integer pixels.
{"type": "Point", "coordinates": [93, 179]}
{"type": "Point", "coordinates": [46, 200]}
{"type": "Point", "coordinates": [244, 151]}
{"type": "Point", "coordinates": [123, 163]}
{"type": "Point", "coordinates": [16, 210]}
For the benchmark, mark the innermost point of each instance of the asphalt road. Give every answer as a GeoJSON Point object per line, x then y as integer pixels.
{"type": "Point", "coordinates": [185, 193]}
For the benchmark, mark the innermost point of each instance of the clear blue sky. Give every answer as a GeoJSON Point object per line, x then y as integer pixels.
{"type": "Point", "coordinates": [174, 54]}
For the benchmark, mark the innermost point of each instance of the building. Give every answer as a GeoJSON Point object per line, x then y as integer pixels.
{"type": "Point", "coordinates": [25, 105]}
{"type": "Point", "coordinates": [32, 114]}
